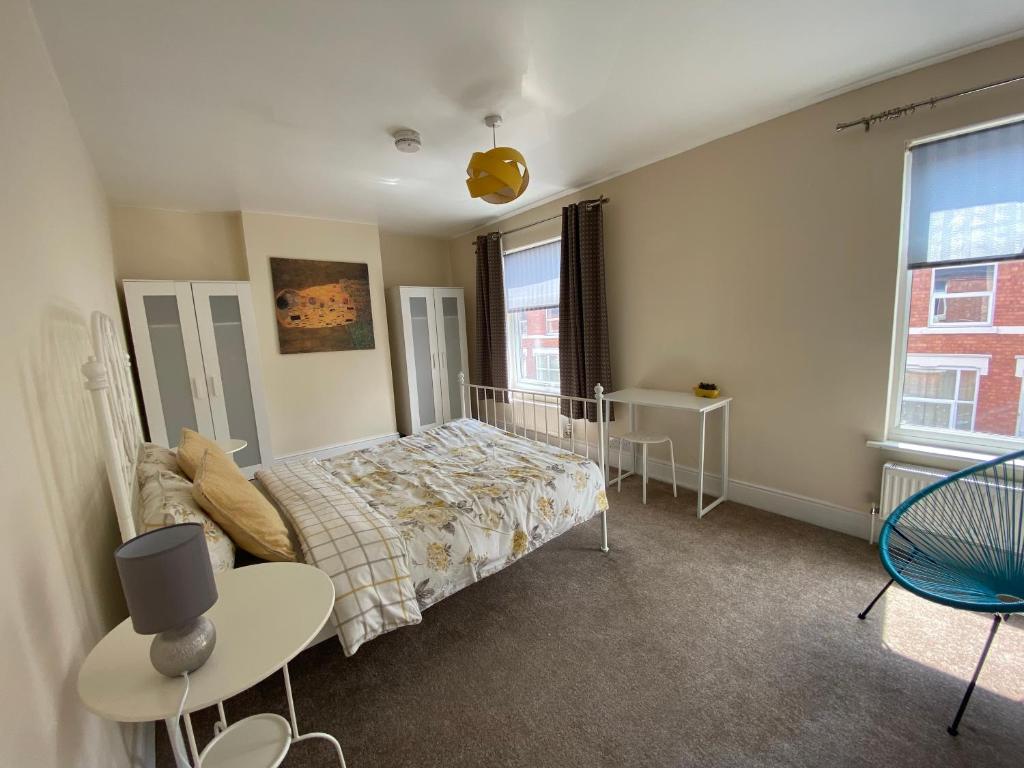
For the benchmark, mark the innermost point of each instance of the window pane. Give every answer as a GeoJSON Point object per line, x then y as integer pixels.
{"type": "Point", "coordinates": [923, 414]}
{"type": "Point", "coordinates": [936, 384]}
{"type": "Point", "coordinates": [964, 415]}
{"type": "Point", "coordinates": [964, 342]}
{"type": "Point", "coordinates": [967, 309]}
{"type": "Point", "coordinates": [968, 385]}
{"type": "Point", "coordinates": [531, 304]}
{"type": "Point", "coordinates": [964, 279]}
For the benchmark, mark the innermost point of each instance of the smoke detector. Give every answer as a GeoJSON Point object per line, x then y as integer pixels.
{"type": "Point", "coordinates": [407, 140]}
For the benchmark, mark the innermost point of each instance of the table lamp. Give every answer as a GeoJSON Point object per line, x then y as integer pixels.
{"type": "Point", "coordinates": [168, 583]}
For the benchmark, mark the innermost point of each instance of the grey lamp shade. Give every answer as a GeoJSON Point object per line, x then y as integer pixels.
{"type": "Point", "coordinates": [166, 577]}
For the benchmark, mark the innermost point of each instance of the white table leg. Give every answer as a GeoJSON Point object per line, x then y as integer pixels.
{"type": "Point", "coordinates": [725, 451]}
{"type": "Point", "coordinates": [632, 428]}
{"type": "Point", "coordinates": [177, 742]}
{"type": "Point", "coordinates": [700, 466]}
{"type": "Point", "coordinates": [295, 724]}
{"type": "Point", "coordinates": [702, 510]}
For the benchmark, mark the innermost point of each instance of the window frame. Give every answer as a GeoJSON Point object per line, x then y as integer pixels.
{"type": "Point", "coordinates": [894, 431]}
{"type": "Point", "coordinates": [991, 294]}
{"type": "Point", "coordinates": [537, 386]}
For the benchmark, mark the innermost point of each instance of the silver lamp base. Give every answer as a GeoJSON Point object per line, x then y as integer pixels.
{"type": "Point", "coordinates": [184, 649]}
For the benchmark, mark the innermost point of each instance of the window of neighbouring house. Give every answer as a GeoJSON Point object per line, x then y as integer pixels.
{"type": "Point", "coordinates": [531, 305]}
{"type": "Point", "coordinates": [938, 397]}
{"type": "Point", "coordinates": [959, 334]}
{"type": "Point", "coordinates": [963, 295]}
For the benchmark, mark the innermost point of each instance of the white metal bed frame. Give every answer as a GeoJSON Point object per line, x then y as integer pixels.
{"type": "Point", "coordinates": [108, 378]}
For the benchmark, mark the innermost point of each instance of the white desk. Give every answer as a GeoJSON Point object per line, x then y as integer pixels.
{"type": "Point", "coordinates": [683, 401]}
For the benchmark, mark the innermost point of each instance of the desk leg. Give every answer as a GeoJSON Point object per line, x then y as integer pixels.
{"type": "Point", "coordinates": [701, 509]}
{"type": "Point", "coordinates": [177, 742]}
{"type": "Point", "coordinates": [725, 451]}
{"type": "Point", "coordinates": [700, 466]}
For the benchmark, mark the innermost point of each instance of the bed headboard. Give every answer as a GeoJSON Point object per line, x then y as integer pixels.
{"type": "Point", "coordinates": [108, 376]}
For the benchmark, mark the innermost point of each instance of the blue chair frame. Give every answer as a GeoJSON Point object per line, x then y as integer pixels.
{"type": "Point", "coordinates": [960, 542]}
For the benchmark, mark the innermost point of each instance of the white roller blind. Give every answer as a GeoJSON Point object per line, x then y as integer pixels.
{"type": "Point", "coordinates": [967, 198]}
{"type": "Point", "coordinates": [531, 277]}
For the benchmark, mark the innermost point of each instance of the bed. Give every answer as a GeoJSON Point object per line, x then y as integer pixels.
{"type": "Point", "coordinates": [404, 524]}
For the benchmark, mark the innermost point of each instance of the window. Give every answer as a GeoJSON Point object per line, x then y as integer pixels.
{"type": "Point", "coordinates": [531, 305]}
{"type": "Point", "coordinates": [959, 336]}
{"type": "Point", "coordinates": [963, 295]}
{"type": "Point", "coordinates": [942, 398]}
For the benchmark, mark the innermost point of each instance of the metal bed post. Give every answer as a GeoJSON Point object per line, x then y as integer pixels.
{"type": "Point", "coordinates": [462, 392]}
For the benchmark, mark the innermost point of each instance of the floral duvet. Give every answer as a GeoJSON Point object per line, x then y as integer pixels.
{"type": "Point", "coordinates": [462, 501]}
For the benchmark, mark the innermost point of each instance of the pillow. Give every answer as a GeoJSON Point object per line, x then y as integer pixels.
{"type": "Point", "coordinates": [155, 458]}
{"type": "Point", "coordinates": [233, 502]}
{"type": "Point", "coordinates": [191, 450]}
{"type": "Point", "coordinates": [165, 498]}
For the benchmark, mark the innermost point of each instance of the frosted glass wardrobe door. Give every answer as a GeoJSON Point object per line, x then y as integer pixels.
{"type": "Point", "coordinates": [229, 355]}
{"type": "Point", "coordinates": [168, 358]}
{"type": "Point", "coordinates": [451, 331]}
{"type": "Point", "coordinates": [422, 342]}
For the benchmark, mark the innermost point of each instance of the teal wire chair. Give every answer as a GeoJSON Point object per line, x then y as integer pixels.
{"type": "Point", "coordinates": [960, 542]}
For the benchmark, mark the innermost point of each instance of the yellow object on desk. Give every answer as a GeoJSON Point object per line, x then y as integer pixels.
{"type": "Point", "coordinates": [709, 393]}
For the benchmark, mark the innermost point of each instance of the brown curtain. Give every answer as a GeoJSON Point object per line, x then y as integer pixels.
{"type": "Point", "coordinates": [583, 356]}
{"type": "Point", "coordinates": [490, 358]}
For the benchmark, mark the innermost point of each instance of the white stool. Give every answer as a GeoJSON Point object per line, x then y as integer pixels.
{"type": "Point", "coordinates": [645, 439]}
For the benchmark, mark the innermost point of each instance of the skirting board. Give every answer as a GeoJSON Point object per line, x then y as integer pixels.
{"type": "Point", "coordinates": [815, 511]}
{"type": "Point", "coordinates": [337, 449]}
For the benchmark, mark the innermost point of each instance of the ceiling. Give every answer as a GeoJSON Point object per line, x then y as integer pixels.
{"type": "Point", "coordinates": [288, 106]}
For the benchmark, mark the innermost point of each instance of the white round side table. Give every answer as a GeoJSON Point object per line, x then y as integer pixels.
{"type": "Point", "coordinates": [231, 444]}
{"type": "Point", "coordinates": [265, 615]}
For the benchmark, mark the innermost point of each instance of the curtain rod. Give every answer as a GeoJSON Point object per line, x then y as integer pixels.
{"type": "Point", "coordinates": [589, 203]}
{"type": "Point", "coordinates": [897, 112]}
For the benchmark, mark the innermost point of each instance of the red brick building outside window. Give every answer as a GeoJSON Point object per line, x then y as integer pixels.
{"type": "Point", "coordinates": [965, 349]}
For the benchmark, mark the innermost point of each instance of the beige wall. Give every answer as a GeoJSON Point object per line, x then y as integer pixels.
{"type": "Point", "coordinates": [57, 578]}
{"type": "Point", "coordinates": [414, 260]}
{"type": "Point", "coordinates": [151, 244]}
{"type": "Point", "coordinates": [319, 399]}
{"type": "Point", "coordinates": [766, 262]}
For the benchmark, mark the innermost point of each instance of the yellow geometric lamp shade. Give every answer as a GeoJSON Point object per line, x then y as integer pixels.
{"type": "Point", "coordinates": [498, 175]}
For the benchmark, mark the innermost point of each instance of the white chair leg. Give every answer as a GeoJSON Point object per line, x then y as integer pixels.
{"type": "Point", "coordinates": [621, 441]}
{"type": "Point", "coordinates": [645, 473]}
{"type": "Point", "coordinates": [672, 459]}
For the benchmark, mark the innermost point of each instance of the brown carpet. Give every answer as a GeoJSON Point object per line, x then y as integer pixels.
{"type": "Point", "coordinates": [732, 641]}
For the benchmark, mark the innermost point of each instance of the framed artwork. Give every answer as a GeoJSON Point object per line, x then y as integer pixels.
{"type": "Point", "coordinates": [321, 306]}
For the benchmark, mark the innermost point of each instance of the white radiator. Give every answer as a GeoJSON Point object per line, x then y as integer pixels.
{"type": "Point", "coordinates": [899, 482]}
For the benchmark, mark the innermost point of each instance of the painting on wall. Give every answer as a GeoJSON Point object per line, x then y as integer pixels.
{"type": "Point", "coordinates": [321, 306]}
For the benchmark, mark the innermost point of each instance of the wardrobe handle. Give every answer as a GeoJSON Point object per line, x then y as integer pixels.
{"type": "Point", "coordinates": [212, 384]}
{"type": "Point", "coordinates": [195, 389]}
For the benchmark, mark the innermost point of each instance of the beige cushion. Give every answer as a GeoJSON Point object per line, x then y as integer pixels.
{"type": "Point", "coordinates": [191, 450]}
{"type": "Point", "coordinates": [241, 510]}
{"type": "Point", "coordinates": [155, 458]}
{"type": "Point", "coordinates": [165, 498]}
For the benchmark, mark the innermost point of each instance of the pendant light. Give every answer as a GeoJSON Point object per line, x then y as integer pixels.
{"type": "Point", "coordinates": [498, 175]}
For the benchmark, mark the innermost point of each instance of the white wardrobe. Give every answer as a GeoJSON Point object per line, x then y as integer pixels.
{"type": "Point", "coordinates": [428, 350]}
{"type": "Point", "coordinates": [197, 355]}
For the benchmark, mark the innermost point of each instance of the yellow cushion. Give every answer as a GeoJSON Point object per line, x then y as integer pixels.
{"type": "Point", "coordinates": [242, 511]}
{"type": "Point", "coordinates": [191, 450]}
